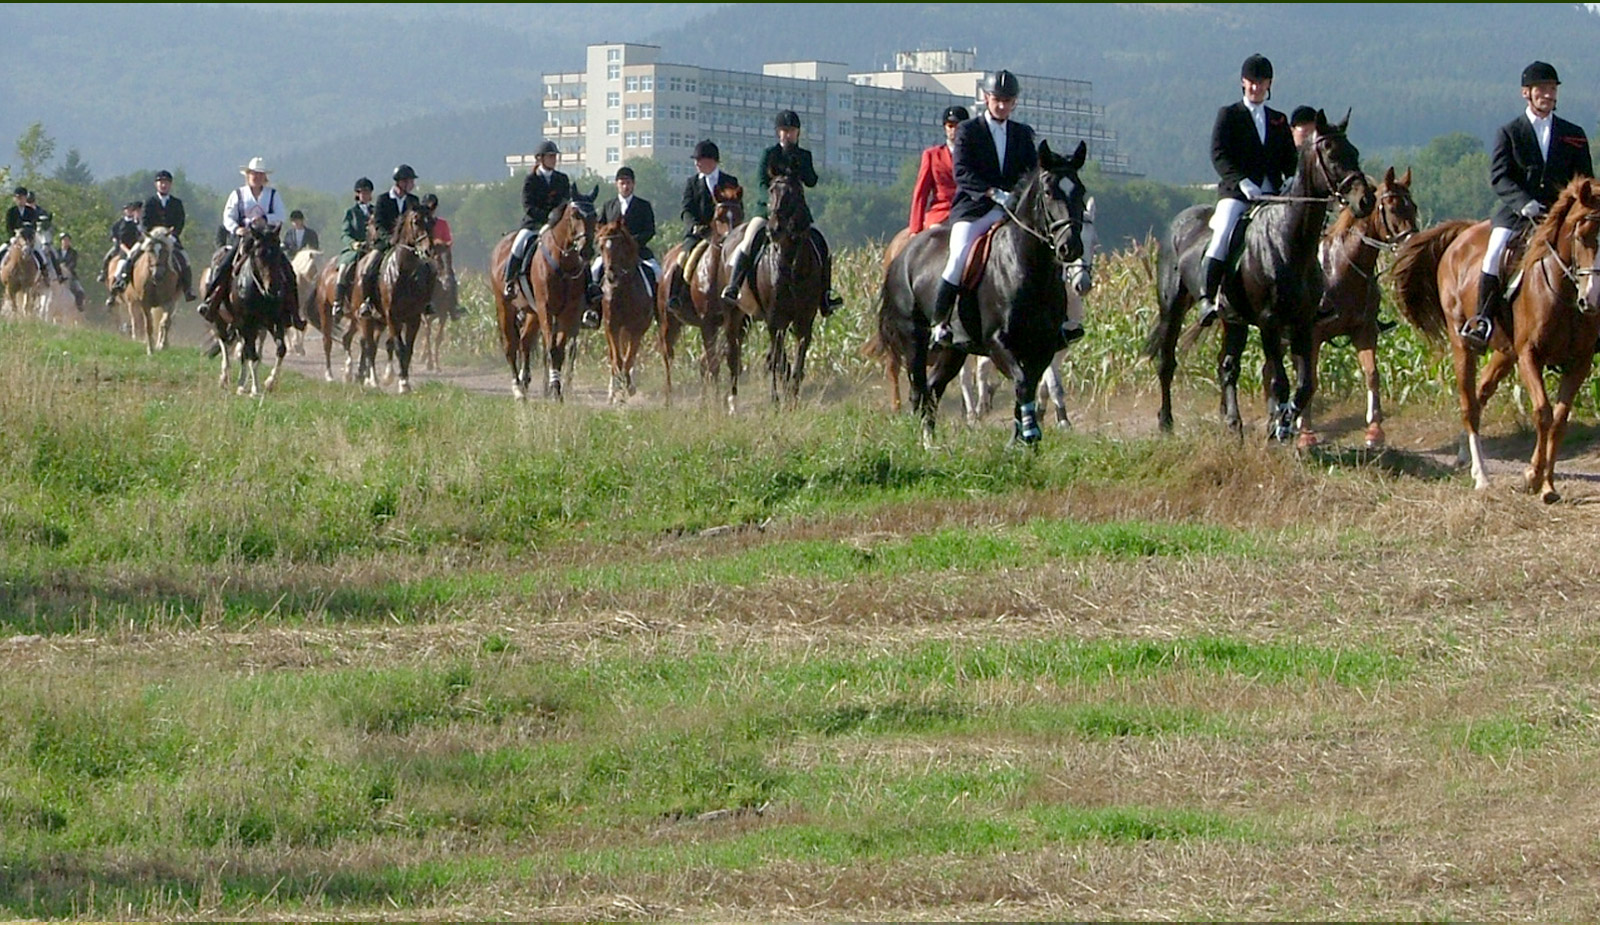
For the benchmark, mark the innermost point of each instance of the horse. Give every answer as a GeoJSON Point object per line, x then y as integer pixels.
{"type": "Point", "coordinates": [979, 378]}
{"type": "Point", "coordinates": [1275, 288]}
{"type": "Point", "coordinates": [1553, 325]}
{"type": "Point", "coordinates": [255, 305]}
{"type": "Point", "coordinates": [697, 301]}
{"type": "Point", "coordinates": [785, 291]}
{"type": "Point", "coordinates": [153, 288]}
{"type": "Point", "coordinates": [556, 275]}
{"type": "Point", "coordinates": [405, 288]}
{"type": "Point", "coordinates": [19, 274]}
{"type": "Point", "coordinates": [307, 263]}
{"type": "Point", "coordinates": [318, 308]}
{"type": "Point", "coordinates": [446, 303]}
{"type": "Point", "coordinates": [1018, 305]}
{"type": "Point", "coordinates": [626, 306]}
{"type": "Point", "coordinates": [1350, 297]}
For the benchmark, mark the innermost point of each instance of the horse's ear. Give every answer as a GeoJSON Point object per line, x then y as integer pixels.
{"type": "Point", "coordinates": [1345, 122]}
{"type": "Point", "coordinates": [595, 194]}
{"type": "Point", "coordinates": [1044, 151]}
{"type": "Point", "coordinates": [1388, 176]}
{"type": "Point", "coordinates": [1080, 156]}
{"type": "Point", "coordinates": [1406, 180]}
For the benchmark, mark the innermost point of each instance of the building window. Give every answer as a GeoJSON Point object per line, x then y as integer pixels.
{"type": "Point", "coordinates": [631, 85]}
{"type": "Point", "coordinates": [613, 127]}
{"type": "Point", "coordinates": [613, 100]}
{"type": "Point", "coordinates": [613, 71]}
{"type": "Point", "coordinates": [630, 140]}
{"type": "Point", "coordinates": [647, 111]}
{"type": "Point", "coordinates": [647, 83]}
{"type": "Point", "coordinates": [844, 130]}
{"type": "Point", "coordinates": [677, 84]}
{"type": "Point", "coordinates": [647, 139]}
{"type": "Point", "coordinates": [675, 112]}
{"type": "Point", "coordinates": [613, 54]}
{"type": "Point", "coordinates": [688, 86]}
{"type": "Point", "coordinates": [631, 111]}
{"type": "Point", "coordinates": [613, 156]}
{"type": "Point", "coordinates": [690, 113]}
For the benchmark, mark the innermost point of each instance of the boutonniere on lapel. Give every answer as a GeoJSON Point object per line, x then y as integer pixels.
{"type": "Point", "coordinates": [1574, 141]}
{"type": "Point", "coordinates": [1278, 118]}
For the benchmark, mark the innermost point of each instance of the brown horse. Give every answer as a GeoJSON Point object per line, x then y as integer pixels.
{"type": "Point", "coordinates": [1350, 296]}
{"type": "Point", "coordinates": [697, 301]}
{"type": "Point", "coordinates": [626, 309]}
{"type": "Point", "coordinates": [318, 308]}
{"type": "Point", "coordinates": [24, 284]}
{"type": "Point", "coordinates": [785, 291]}
{"type": "Point", "coordinates": [1553, 325]}
{"type": "Point", "coordinates": [446, 303]}
{"type": "Point", "coordinates": [153, 288]}
{"type": "Point", "coordinates": [556, 274]}
{"type": "Point", "coordinates": [256, 304]}
{"type": "Point", "coordinates": [405, 288]}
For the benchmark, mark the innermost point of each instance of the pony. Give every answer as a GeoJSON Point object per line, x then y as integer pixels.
{"type": "Point", "coordinates": [785, 292]}
{"type": "Point", "coordinates": [1275, 288]}
{"type": "Point", "coordinates": [255, 306]}
{"type": "Point", "coordinates": [405, 287]}
{"type": "Point", "coordinates": [446, 303]}
{"type": "Point", "coordinates": [1350, 297]}
{"type": "Point", "coordinates": [979, 377]}
{"type": "Point", "coordinates": [556, 277]}
{"type": "Point", "coordinates": [23, 282]}
{"type": "Point", "coordinates": [1554, 318]}
{"type": "Point", "coordinates": [697, 300]}
{"type": "Point", "coordinates": [307, 263]}
{"type": "Point", "coordinates": [1018, 305]}
{"type": "Point", "coordinates": [153, 288]}
{"type": "Point", "coordinates": [626, 306]}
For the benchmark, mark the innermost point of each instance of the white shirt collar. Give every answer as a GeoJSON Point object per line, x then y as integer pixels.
{"type": "Point", "coordinates": [712, 177]}
{"type": "Point", "coordinates": [1541, 130]}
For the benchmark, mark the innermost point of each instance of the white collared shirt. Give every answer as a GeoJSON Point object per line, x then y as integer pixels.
{"type": "Point", "coordinates": [622, 203]}
{"type": "Point", "coordinates": [243, 206]}
{"type": "Point", "coordinates": [1258, 114]}
{"type": "Point", "coordinates": [711, 181]}
{"type": "Point", "coordinates": [1541, 131]}
{"type": "Point", "coordinates": [997, 131]}
{"type": "Point", "coordinates": [399, 199]}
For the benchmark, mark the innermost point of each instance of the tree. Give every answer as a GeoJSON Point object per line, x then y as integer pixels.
{"type": "Point", "coordinates": [34, 149]}
{"type": "Point", "coordinates": [74, 172]}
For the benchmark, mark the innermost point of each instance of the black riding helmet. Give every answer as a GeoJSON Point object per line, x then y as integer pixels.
{"type": "Point", "coordinates": [546, 147]}
{"type": "Point", "coordinates": [1302, 115]}
{"type": "Point", "coordinates": [707, 149]}
{"type": "Point", "coordinates": [1539, 73]}
{"type": "Point", "coordinates": [404, 172]}
{"type": "Point", "coordinates": [363, 184]}
{"type": "Point", "coordinates": [1002, 84]}
{"type": "Point", "coordinates": [787, 119]}
{"type": "Point", "coordinates": [1256, 67]}
{"type": "Point", "coordinates": [955, 114]}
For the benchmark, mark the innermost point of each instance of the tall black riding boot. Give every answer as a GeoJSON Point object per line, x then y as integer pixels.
{"type": "Point", "coordinates": [741, 272]}
{"type": "Point", "coordinates": [513, 270]}
{"type": "Point", "coordinates": [947, 330]}
{"type": "Point", "coordinates": [1480, 327]}
{"type": "Point", "coordinates": [1214, 270]}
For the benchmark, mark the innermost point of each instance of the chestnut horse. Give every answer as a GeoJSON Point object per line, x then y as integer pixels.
{"type": "Point", "coordinates": [1553, 325]}
{"type": "Point", "coordinates": [24, 284]}
{"type": "Point", "coordinates": [153, 288]}
{"type": "Point", "coordinates": [556, 274]}
{"type": "Point", "coordinates": [785, 291]}
{"type": "Point", "coordinates": [318, 308]}
{"type": "Point", "coordinates": [626, 309]}
{"type": "Point", "coordinates": [405, 287]}
{"type": "Point", "coordinates": [699, 299]}
{"type": "Point", "coordinates": [1350, 296]}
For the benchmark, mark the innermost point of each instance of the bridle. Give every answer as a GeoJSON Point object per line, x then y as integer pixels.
{"type": "Point", "coordinates": [1060, 231]}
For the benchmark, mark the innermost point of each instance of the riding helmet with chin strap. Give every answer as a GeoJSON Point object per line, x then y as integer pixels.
{"type": "Point", "coordinates": [364, 184]}
{"type": "Point", "coordinates": [1002, 84]}
{"type": "Point", "coordinates": [404, 172]}
{"type": "Point", "coordinates": [787, 119]}
{"type": "Point", "coordinates": [1256, 67]}
{"type": "Point", "coordinates": [1539, 73]}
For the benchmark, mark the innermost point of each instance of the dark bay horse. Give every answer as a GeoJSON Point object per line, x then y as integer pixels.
{"type": "Point", "coordinates": [699, 301]}
{"type": "Point", "coordinates": [1350, 298]}
{"type": "Point", "coordinates": [556, 276]}
{"type": "Point", "coordinates": [405, 287]}
{"type": "Point", "coordinates": [785, 292]}
{"type": "Point", "coordinates": [1554, 323]}
{"type": "Point", "coordinates": [257, 304]}
{"type": "Point", "coordinates": [1019, 304]}
{"type": "Point", "coordinates": [626, 308]}
{"type": "Point", "coordinates": [1276, 287]}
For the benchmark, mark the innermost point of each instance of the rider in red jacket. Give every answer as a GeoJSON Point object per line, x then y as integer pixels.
{"type": "Point", "coordinates": [935, 188]}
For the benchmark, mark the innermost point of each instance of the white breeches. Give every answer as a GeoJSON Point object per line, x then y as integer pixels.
{"type": "Point", "coordinates": [1495, 253]}
{"type": "Point", "coordinates": [962, 234]}
{"type": "Point", "coordinates": [1223, 220]}
{"type": "Point", "coordinates": [750, 231]}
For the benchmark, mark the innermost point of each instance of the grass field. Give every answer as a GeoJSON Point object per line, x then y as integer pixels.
{"type": "Point", "coordinates": [337, 654]}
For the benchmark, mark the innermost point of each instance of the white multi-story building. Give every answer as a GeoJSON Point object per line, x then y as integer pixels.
{"type": "Point", "coordinates": [861, 128]}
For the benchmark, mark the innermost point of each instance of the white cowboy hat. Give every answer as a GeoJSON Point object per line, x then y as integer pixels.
{"type": "Point", "coordinates": [256, 165]}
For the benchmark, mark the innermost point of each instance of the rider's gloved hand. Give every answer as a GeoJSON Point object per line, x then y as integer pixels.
{"type": "Point", "coordinates": [1002, 197]}
{"type": "Point", "coordinates": [1534, 210]}
{"type": "Point", "coordinates": [1250, 189]}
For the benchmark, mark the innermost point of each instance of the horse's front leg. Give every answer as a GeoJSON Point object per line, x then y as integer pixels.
{"type": "Point", "coordinates": [1228, 360]}
{"type": "Point", "coordinates": [1282, 412]}
{"type": "Point", "coordinates": [802, 346]}
{"type": "Point", "coordinates": [556, 353]}
{"type": "Point", "coordinates": [1303, 350]}
{"type": "Point", "coordinates": [405, 349]}
{"type": "Point", "coordinates": [1366, 345]}
{"type": "Point", "coordinates": [736, 325]}
{"type": "Point", "coordinates": [1058, 395]}
{"type": "Point", "coordinates": [280, 339]}
{"type": "Point", "coordinates": [1571, 380]}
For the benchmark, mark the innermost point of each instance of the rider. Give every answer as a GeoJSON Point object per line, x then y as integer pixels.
{"type": "Point", "coordinates": [354, 236]}
{"type": "Point", "coordinates": [935, 188]}
{"type": "Point", "coordinates": [161, 210]}
{"type": "Point", "coordinates": [544, 192]}
{"type": "Point", "coordinates": [700, 193]}
{"type": "Point", "coordinates": [786, 158]}
{"type": "Point", "coordinates": [386, 214]}
{"type": "Point", "coordinates": [20, 214]}
{"type": "Point", "coordinates": [67, 256]}
{"type": "Point", "coordinates": [254, 202]}
{"type": "Point", "coordinates": [1253, 151]}
{"type": "Point", "coordinates": [41, 241]}
{"type": "Point", "coordinates": [638, 216]}
{"type": "Point", "coordinates": [125, 236]}
{"type": "Point", "coordinates": [1535, 156]}
{"type": "Point", "coordinates": [298, 237]}
{"type": "Point", "coordinates": [1302, 122]}
{"type": "Point", "coordinates": [444, 242]}
{"type": "Point", "coordinates": [992, 154]}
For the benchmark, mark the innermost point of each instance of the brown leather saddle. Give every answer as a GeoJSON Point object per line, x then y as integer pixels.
{"type": "Point", "coordinates": [978, 258]}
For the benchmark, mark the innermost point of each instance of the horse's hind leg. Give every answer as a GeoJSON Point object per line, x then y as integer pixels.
{"type": "Point", "coordinates": [1058, 395]}
{"type": "Point", "coordinates": [1228, 360]}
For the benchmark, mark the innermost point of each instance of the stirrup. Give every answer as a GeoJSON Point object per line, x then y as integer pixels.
{"type": "Point", "coordinates": [1476, 331]}
{"type": "Point", "coordinates": [590, 319]}
{"type": "Point", "coordinates": [1071, 331]}
{"type": "Point", "coordinates": [1208, 312]}
{"type": "Point", "coordinates": [368, 311]}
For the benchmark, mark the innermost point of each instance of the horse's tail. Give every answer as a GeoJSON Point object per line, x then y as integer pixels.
{"type": "Point", "coordinates": [1416, 276]}
{"type": "Point", "coordinates": [1166, 263]}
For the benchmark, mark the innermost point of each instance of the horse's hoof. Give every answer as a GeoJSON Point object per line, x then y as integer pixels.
{"type": "Point", "coordinates": [1307, 440]}
{"type": "Point", "coordinates": [1550, 496]}
{"type": "Point", "coordinates": [1375, 436]}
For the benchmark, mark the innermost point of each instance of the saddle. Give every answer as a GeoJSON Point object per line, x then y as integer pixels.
{"type": "Point", "coordinates": [978, 258]}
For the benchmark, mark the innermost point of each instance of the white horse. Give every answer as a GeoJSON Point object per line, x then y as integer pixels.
{"type": "Point", "coordinates": [308, 263]}
{"type": "Point", "coordinates": [979, 378]}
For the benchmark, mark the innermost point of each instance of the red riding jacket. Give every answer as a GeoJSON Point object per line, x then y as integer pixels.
{"type": "Point", "coordinates": [934, 190]}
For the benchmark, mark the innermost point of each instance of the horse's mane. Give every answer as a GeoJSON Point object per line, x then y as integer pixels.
{"type": "Point", "coordinates": [730, 194]}
{"type": "Point", "coordinates": [1548, 236]}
